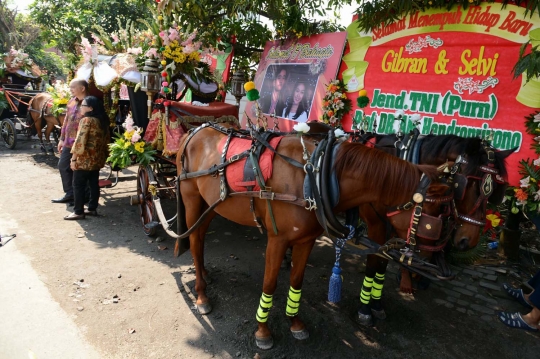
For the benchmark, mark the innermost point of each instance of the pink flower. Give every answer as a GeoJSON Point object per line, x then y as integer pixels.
{"type": "Point", "coordinates": [136, 137]}
{"type": "Point", "coordinates": [173, 34]}
{"type": "Point", "coordinates": [151, 53]}
{"type": "Point", "coordinates": [115, 38]}
{"type": "Point", "coordinates": [134, 50]}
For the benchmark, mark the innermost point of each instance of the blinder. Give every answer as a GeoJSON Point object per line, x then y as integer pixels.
{"type": "Point", "coordinates": [497, 196]}
{"type": "Point", "coordinates": [430, 227]}
{"type": "Point", "coordinates": [460, 186]}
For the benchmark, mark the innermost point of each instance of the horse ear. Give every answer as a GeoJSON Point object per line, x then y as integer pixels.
{"type": "Point", "coordinates": [506, 153]}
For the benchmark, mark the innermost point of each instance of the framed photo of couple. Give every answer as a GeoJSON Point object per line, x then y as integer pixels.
{"type": "Point", "coordinates": [292, 78]}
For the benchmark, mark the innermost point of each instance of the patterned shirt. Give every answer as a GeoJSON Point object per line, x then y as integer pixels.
{"type": "Point", "coordinates": [91, 145]}
{"type": "Point", "coordinates": [71, 122]}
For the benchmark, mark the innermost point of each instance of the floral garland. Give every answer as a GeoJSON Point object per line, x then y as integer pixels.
{"type": "Point", "coordinates": [527, 197]}
{"type": "Point", "coordinates": [335, 103]}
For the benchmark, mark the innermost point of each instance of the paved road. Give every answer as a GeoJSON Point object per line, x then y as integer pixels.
{"type": "Point", "coordinates": [31, 321]}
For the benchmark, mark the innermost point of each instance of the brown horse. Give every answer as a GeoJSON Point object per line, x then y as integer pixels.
{"type": "Point", "coordinates": [39, 111]}
{"type": "Point", "coordinates": [364, 175]}
{"type": "Point", "coordinates": [481, 164]}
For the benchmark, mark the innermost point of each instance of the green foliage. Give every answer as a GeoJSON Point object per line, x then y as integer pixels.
{"type": "Point", "coordinates": [3, 101]}
{"type": "Point", "coordinates": [65, 21]}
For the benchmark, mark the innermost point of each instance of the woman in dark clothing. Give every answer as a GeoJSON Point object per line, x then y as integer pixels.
{"type": "Point", "coordinates": [89, 153]}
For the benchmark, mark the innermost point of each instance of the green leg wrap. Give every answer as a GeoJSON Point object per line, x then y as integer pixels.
{"type": "Point", "coordinates": [264, 307]}
{"type": "Point", "coordinates": [293, 302]}
{"type": "Point", "coordinates": [378, 283]}
{"type": "Point", "coordinates": [365, 293]}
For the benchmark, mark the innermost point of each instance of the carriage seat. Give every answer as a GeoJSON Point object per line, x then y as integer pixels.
{"type": "Point", "coordinates": [214, 109]}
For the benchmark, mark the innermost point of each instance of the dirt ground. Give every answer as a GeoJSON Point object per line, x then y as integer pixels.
{"type": "Point", "coordinates": [137, 299]}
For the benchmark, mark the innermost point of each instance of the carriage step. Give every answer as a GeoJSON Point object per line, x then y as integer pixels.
{"type": "Point", "coordinates": [105, 183]}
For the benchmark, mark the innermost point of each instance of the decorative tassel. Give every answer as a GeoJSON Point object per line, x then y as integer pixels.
{"type": "Point", "coordinates": [336, 279]}
{"type": "Point", "coordinates": [334, 289]}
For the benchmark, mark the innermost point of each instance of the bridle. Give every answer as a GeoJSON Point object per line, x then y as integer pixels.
{"type": "Point", "coordinates": [492, 187]}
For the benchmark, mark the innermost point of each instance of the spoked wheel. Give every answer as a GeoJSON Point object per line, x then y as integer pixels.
{"type": "Point", "coordinates": [147, 209]}
{"type": "Point", "coordinates": [8, 133]}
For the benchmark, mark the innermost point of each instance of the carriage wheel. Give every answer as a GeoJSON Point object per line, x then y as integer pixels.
{"type": "Point", "coordinates": [147, 209]}
{"type": "Point", "coordinates": [8, 133]}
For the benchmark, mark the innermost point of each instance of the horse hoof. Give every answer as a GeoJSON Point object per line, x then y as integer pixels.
{"type": "Point", "coordinates": [365, 319]}
{"type": "Point", "coordinates": [204, 308]}
{"type": "Point", "coordinates": [264, 343]}
{"type": "Point", "coordinates": [379, 314]}
{"type": "Point", "coordinates": [300, 334]}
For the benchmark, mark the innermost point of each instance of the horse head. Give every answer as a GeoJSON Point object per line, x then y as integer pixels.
{"type": "Point", "coordinates": [480, 177]}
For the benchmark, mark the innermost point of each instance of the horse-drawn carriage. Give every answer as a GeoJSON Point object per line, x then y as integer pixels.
{"type": "Point", "coordinates": [18, 91]}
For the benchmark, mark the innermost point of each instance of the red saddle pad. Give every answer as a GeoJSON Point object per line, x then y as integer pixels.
{"type": "Point", "coordinates": [235, 171]}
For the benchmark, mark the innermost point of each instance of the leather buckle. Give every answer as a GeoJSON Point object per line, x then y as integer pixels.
{"type": "Point", "coordinates": [234, 158]}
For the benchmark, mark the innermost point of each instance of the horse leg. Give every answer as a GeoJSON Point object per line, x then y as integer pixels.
{"type": "Point", "coordinates": [378, 282]}
{"type": "Point", "coordinates": [364, 313]}
{"type": "Point", "coordinates": [49, 147]}
{"type": "Point", "coordinates": [275, 250]}
{"type": "Point", "coordinates": [300, 254]}
{"type": "Point", "coordinates": [194, 208]}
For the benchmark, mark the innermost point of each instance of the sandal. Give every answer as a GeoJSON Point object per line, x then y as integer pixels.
{"type": "Point", "coordinates": [517, 294]}
{"type": "Point", "coordinates": [515, 320]}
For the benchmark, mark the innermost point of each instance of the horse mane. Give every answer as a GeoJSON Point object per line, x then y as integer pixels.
{"type": "Point", "coordinates": [390, 176]}
{"type": "Point", "coordinates": [476, 155]}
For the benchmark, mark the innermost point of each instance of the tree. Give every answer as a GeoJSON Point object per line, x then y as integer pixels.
{"type": "Point", "coordinates": [15, 29]}
{"type": "Point", "coordinates": [240, 21]}
{"type": "Point", "coordinates": [65, 21]}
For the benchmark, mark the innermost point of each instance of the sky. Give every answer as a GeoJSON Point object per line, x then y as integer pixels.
{"type": "Point", "coordinates": [21, 5]}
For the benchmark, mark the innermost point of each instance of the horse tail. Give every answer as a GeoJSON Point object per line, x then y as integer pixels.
{"type": "Point", "coordinates": [30, 120]}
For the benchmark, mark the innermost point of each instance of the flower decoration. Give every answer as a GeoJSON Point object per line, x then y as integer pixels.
{"type": "Point", "coordinates": [526, 197]}
{"type": "Point", "coordinates": [129, 147]}
{"type": "Point", "coordinates": [252, 94]}
{"type": "Point", "coordinates": [493, 225]}
{"type": "Point", "coordinates": [363, 99]}
{"type": "Point", "coordinates": [301, 128]}
{"type": "Point", "coordinates": [61, 95]}
{"type": "Point", "coordinates": [17, 59]}
{"type": "Point", "coordinates": [335, 103]}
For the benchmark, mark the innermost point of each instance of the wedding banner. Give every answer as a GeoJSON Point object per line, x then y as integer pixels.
{"type": "Point", "coordinates": [292, 77]}
{"type": "Point", "coordinates": [453, 68]}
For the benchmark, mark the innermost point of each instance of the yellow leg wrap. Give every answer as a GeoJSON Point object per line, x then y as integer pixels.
{"type": "Point", "coordinates": [365, 293]}
{"type": "Point", "coordinates": [293, 302]}
{"type": "Point", "coordinates": [378, 283]}
{"type": "Point", "coordinates": [264, 307]}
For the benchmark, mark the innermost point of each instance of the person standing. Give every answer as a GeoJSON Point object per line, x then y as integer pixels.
{"type": "Point", "coordinates": [78, 89]}
{"type": "Point", "coordinates": [273, 103]}
{"type": "Point", "coordinates": [89, 153]}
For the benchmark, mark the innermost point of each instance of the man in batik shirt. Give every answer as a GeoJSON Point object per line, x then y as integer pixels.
{"type": "Point", "coordinates": [79, 90]}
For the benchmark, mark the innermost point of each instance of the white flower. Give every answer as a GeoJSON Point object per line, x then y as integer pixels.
{"type": "Point", "coordinates": [525, 182]}
{"type": "Point", "coordinates": [399, 113]}
{"type": "Point", "coordinates": [301, 127]}
{"type": "Point", "coordinates": [536, 162]}
{"type": "Point", "coordinates": [339, 133]}
{"type": "Point", "coordinates": [537, 117]}
{"type": "Point", "coordinates": [521, 203]}
{"type": "Point", "coordinates": [537, 195]}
